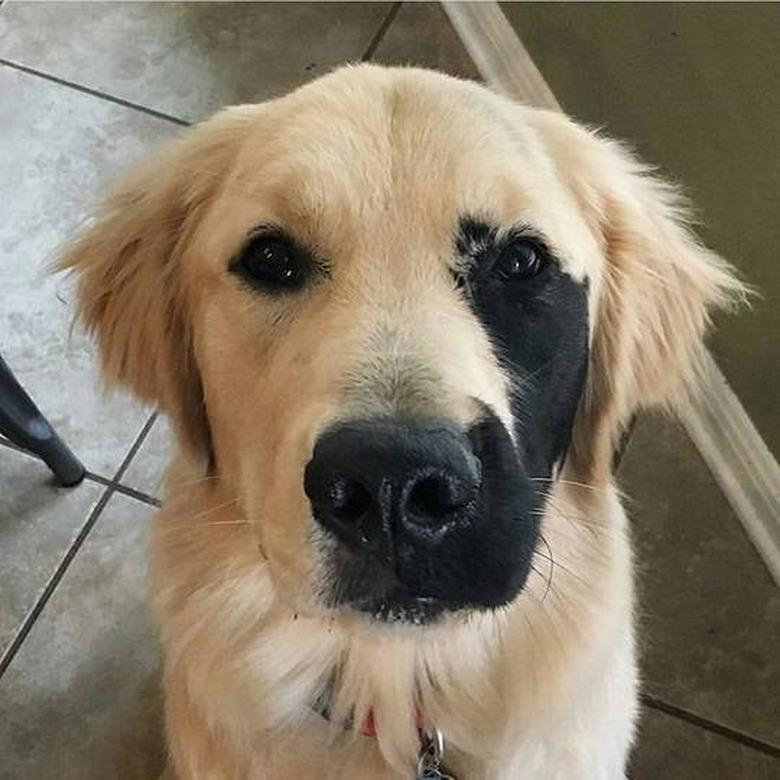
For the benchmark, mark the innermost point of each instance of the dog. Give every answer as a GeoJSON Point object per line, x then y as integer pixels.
{"type": "Point", "coordinates": [399, 324]}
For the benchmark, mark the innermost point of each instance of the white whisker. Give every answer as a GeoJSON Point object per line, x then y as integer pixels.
{"type": "Point", "coordinates": [215, 509]}
{"type": "Point", "coordinates": [228, 522]}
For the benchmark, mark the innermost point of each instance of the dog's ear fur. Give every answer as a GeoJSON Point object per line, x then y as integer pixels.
{"type": "Point", "coordinates": [131, 293]}
{"type": "Point", "coordinates": [659, 288]}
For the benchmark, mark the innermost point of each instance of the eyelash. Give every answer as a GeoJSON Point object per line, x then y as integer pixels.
{"type": "Point", "coordinates": [505, 259]}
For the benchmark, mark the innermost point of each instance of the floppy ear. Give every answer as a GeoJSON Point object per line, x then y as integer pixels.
{"type": "Point", "coordinates": [132, 294]}
{"type": "Point", "coordinates": [658, 290]}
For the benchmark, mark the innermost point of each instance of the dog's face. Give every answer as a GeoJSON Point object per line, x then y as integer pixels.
{"type": "Point", "coordinates": [392, 300]}
{"type": "Point", "coordinates": [387, 309]}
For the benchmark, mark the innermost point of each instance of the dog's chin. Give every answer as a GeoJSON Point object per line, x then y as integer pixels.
{"type": "Point", "coordinates": [403, 609]}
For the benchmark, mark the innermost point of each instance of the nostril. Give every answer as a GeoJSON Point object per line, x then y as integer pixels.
{"type": "Point", "coordinates": [348, 500]}
{"type": "Point", "coordinates": [433, 498]}
{"type": "Point", "coordinates": [381, 487]}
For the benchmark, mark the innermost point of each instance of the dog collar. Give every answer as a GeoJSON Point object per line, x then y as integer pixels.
{"type": "Point", "coordinates": [429, 761]}
{"type": "Point", "coordinates": [368, 726]}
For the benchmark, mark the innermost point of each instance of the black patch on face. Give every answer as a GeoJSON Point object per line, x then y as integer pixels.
{"type": "Point", "coordinates": [537, 322]}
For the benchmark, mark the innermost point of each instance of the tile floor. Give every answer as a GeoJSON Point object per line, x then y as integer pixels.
{"type": "Point", "coordinates": [78, 656]}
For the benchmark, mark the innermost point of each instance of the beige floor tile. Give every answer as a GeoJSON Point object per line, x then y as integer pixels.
{"type": "Point", "coordinates": [188, 59]}
{"type": "Point", "coordinates": [80, 701]}
{"type": "Point", "coordinates": [709, 610]}
{"type": "Point", "coordinates": [671, 749]}
{"type": "Point", "coordinates": [60, 149]}
{"type": "Point", "coordinates": [38, 522]}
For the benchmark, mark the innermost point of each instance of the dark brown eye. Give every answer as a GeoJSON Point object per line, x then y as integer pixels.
{"type": "Point", "coordinates": [271, 261]}
{"type": "Point", "coordinates": [522, 258]}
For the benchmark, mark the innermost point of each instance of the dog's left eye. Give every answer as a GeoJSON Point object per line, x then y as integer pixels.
{"type": "Point", "coordinates": [271, 261]}
{"type": "Point", "coordinates": [522, 258]}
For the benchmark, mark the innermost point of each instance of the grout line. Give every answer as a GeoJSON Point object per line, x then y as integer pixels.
{"type": "Point", "coordinates": [94, 92]}
{"type": "Point", "coordinates": [134, 447]}
{"type": "Point", "coordinates": [735, 735]}
{"type": "Point", "coordinates": [380, 33]}
{"type": "Point", "coordinates": [131, 453]}
{"type": "Point", "coordinates": [138, 495]}
{"type": "Point", "coordinates": [101, 480]}
{"type": "Point", "coordinates": [94, 476]}
{"type": "Point", "coordinates": [91, 476]}
{"type": "Point", "coordinates": [111, 487]}
{"type": "Point", "coordinates": [126, 490]}
{"type": "Point", "coordinates": [54, 580]}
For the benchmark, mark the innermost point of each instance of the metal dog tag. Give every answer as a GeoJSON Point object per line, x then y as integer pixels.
{"type": "Point", "coordinates": [433, 774]}
{"type": "Point", "coordinates": [429, 763]}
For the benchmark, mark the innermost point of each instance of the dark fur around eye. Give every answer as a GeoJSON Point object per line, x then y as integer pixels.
{"type": "Point", "coordinates": [536, 316]}
{"type": "Point", "coordinates": [514, 256]}
{"type": "Point", "coordinates": [271, 261]}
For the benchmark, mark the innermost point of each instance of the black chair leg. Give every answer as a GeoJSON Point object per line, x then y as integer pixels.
{"type": "Point", "coordinates": [24, 425]}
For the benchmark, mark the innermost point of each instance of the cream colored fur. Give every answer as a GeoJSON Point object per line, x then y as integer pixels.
{"type": "Point", "coordinates": [374, 166]}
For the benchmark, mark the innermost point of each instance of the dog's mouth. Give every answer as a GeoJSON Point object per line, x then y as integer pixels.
{"type": "Point", "coordinates": [401, 608]}
{"type": "Point", "coordinates": [422, 520]}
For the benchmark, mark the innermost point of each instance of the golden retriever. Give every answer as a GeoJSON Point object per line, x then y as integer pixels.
{"type": "Point", "coordinates": [399, 324]}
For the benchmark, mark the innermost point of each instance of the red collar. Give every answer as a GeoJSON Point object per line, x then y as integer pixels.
{"type": "Point", "coordinates": [368, 726]}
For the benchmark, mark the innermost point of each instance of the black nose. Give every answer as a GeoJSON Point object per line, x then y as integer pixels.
{"type": "Point", "coordinates": [368, 482]}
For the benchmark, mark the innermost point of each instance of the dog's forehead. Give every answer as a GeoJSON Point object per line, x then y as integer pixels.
{"type": "Point", "coordinates": [363, 153]}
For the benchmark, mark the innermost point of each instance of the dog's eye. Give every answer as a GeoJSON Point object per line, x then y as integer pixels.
{"type": "Point", "coordinates": [271, 261]}
{"type": "Point", "coordinates": [520, 259]}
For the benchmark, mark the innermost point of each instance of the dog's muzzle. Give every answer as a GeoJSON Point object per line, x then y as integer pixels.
{"type": "Point", "coordinates": [427, 517]}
